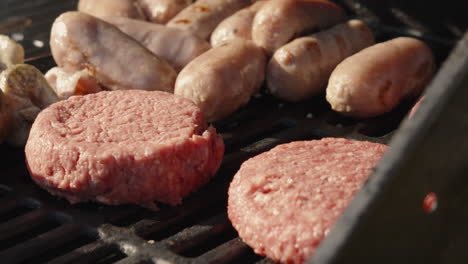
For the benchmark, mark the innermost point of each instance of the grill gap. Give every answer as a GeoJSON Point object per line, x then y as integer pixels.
{"type": "Point", "coordinates": [13, 212]}
{"type": "Point", "coordinates": [198, 239]}
{"type": "Point", "coordinates": [160, 230]}
{"type": "Point", "coordinates": [112, 257]}
{"type": "Point", "coordinates": [22, 231]}
{"type": "Point", "coordinates": [62, 249]}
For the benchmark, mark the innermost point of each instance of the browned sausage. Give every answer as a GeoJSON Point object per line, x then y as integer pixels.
{"type": "Point", "coordinates": [178, 47]}
{"type": "Point", "coordinates": [202, 17]}
{"type": "Point", "coordinates": [26, 93]}
{"type": "Point", "coordinates": [224, 78]}
{"type": "Point", "coordinates": [374, 80]}
{"type": "Point", "coordinates": [280, 21]}
{"type": "Point", "coordinates": [80, 41]}
{"type": "Point", "coordinates": [301, 68]}
{"type": "Point", "coordinates": [238, 25]}
{"type": "Point", "coordinates": [106, 8]}
{"type": "Point", "coordinates": [161, 11]}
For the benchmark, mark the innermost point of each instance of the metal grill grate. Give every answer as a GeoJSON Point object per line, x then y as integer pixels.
{"type": "Point", "coordinates": [36, 227]}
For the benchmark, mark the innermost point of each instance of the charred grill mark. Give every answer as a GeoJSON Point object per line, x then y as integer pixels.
{"type": "Point", "coordinates": [183, 21]}
{"type": "Point", "coordinates": [202, 8]}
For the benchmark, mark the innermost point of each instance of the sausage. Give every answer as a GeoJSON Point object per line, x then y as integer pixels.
{"type": "Point", "coordinates": [280, 21]}
{"type": "Point", "coordinates": [239, 25]}
{"type": "Point", "coordinates": [26, 94]}
{"type": "Point", "coordinates": [202, 17]}
{"type": "Point", "coordinates": [224, 78]}
{"type": "Point", "coordinates": [178, 47]}
{"type": "Point", "coordinates": [376, 79]}
{"type": "Point", "coordinates": [80, 41]}
{"type": "Point", "coordinates": [106, 8]}
{"type": "Point", "coordinates": [301, 68]}
{"type": "Point", "coordinates": [66, 84]}
{"type": "Point", "coordinates": [11, 52]}
{"type": "Point", "coordinates": [161, 11]}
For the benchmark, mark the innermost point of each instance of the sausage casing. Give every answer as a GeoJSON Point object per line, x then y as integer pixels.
{"type": "Point", "coordinates": [301, 68]}
{"type": "Point", "coordinates": [178, 47]}
{"type": "Point", "coordinates": [280, 21]}
{"type": "Point", "coordinates": [202, 17]}
{"type": "Point", "coordinates": [224, 78]}
{"type": "Point", "coordinates": [376, 79]}
{"type": "Point", "coordinates": [117, 61]}
{"type": "Point", "coordinates": [239, 25]}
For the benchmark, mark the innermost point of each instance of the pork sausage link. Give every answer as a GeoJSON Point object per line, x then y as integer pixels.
{"type": "Point", "coordinates": [106, 8]}
{"type": "Point", "coordinates": [178, 47]}
{"type": "Point", "coordinates": [280, 21]}
{"type": "Point", "coordinates": [117, 61]}
{"type": "Point", "coordinates": [224, 78]}
{"type": "Point", "coordinates": [161, 11]}
{"type": "Point", "coordinates": [375, 80]}
{"type": "Point", "coordinates": [301, 68]}
{"type": "Point", "coordinates": [238, 25]}
{"type": "Point", "coordinates": [203, 16]}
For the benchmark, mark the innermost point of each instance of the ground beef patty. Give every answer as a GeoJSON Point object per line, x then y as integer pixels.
{"type": "Point", "coordinates": [284, 201]}
{"type": "Point", "coordinates": [123, 147]}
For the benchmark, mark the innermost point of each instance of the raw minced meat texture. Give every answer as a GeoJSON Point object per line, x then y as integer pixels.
{"type": "Point", "coordinates": [283, 202]}
{"type": "Point", "coordinates": [123, 147]}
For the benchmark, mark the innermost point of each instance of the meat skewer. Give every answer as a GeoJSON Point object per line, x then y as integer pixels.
{"type": "Point", "coordinates": [109, 8]}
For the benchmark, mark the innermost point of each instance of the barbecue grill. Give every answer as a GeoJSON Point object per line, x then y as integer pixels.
{"type": "Point", "coordinates": [385, 222]}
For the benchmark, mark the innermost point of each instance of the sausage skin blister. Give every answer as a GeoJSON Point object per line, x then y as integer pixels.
{"type": "Point", "coordinates": [109, 8]}
{"type": "Point", "coordinates": [239, 25]}
{"type": "Point", "coordinates": [375, 80]}
{"type": "Point", "coordinates": [66, 84]}
{"type": "Point", "coordinates": [117, 61]}
{"type": "Point", "coordinates": [224, 78]}
{"type": "Point", "coordinates": [280, 21]}
{"type": "Point", "coordinates": [301, 68]}
{"type": "Point", "coordinates": [161, 11]}
{"type": "Point", "coordinates": [202, 17]}
{"type": "Point", "coordinates": [178, 47]}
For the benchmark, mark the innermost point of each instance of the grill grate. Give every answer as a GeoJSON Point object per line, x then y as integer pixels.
{"type": "Point", "coordinates": [36, 227]}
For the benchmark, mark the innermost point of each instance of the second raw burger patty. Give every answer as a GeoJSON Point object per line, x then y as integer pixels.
{"type": "Point", "coordinates": [283, 202]}
{"type": "Point", "coordinates": [123, 147]}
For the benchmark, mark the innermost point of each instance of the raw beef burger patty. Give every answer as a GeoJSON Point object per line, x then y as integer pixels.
{"type": "Point", "coordinates": [283, 202]}
{"type": "Point", "coordinates": [123, 147]}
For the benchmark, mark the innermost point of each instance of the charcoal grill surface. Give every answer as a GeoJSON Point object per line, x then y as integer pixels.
{"type": "Point", "coordinates": [36, 227]}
